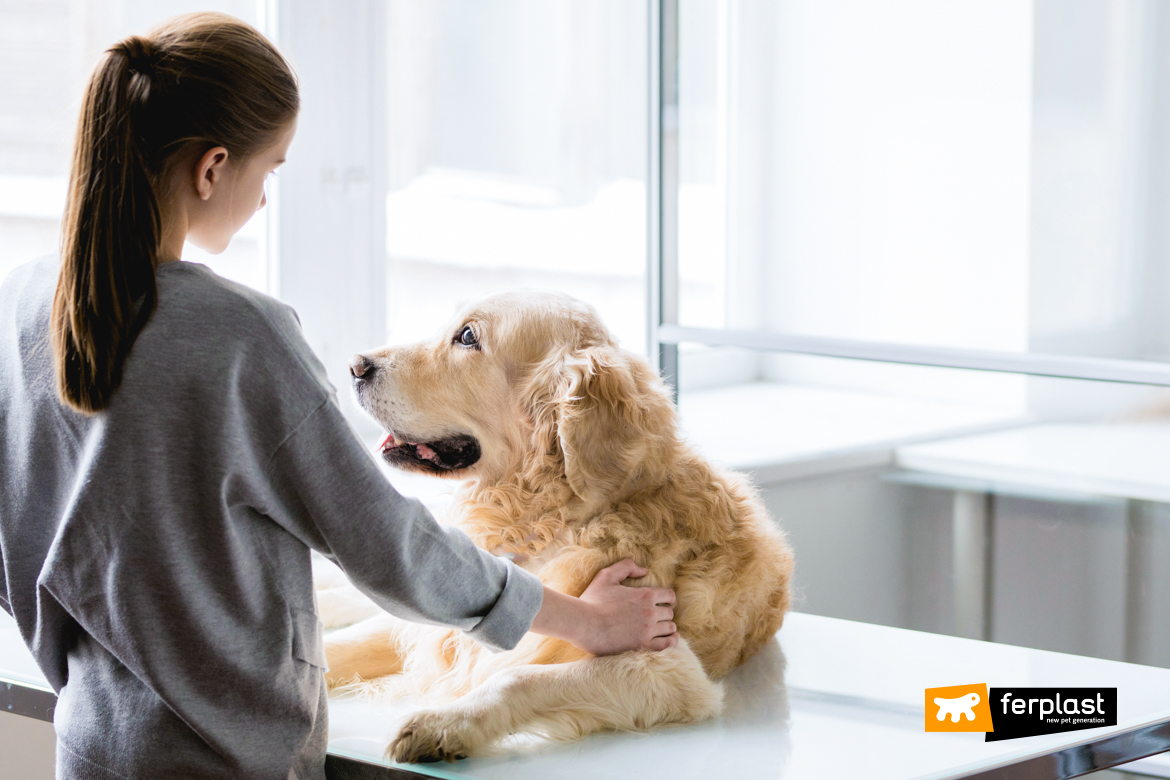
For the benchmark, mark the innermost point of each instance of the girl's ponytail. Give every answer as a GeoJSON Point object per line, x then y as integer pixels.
{"type": "Point", "coordinates": [195, 82]}
{"type": "Point", "coordinates": [110, 240]}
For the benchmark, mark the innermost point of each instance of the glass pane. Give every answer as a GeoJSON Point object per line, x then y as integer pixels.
{"type": "Point", "coordinates": [517, 157]}
{"type": "Point", "coordinates": [889, 478]}
{"type": "Point", "coordinates": [47, 51]}
{"type": "Point", "coordinates": [980, 174]}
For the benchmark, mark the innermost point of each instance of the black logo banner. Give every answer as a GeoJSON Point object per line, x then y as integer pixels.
{"type": "Point", "coordinates": [1028, 712]}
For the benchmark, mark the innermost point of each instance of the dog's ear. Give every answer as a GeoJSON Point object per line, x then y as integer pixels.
{"type": "Point", "coordinates": [613, 420]}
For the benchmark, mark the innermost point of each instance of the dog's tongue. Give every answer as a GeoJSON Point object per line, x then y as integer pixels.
{"type": "Point", "coordinates": [421, 450]}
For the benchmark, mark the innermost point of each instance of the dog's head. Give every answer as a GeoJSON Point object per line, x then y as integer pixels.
{"type": "Point", "coordinates": [528, 382]}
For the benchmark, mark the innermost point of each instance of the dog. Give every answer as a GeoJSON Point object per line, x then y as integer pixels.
{"type": "Point", "coordinates": [572, 460]}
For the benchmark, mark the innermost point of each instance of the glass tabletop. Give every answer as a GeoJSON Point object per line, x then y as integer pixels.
{"type": "Point", "coordinates": [826, 698]}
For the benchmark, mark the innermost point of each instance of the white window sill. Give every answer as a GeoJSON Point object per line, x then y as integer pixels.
{"type": "Point", "coordinates": [782, 432]}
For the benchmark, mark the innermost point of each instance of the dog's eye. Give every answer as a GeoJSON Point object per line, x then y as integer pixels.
{"type": "Point", "coordinates": [467, 337]}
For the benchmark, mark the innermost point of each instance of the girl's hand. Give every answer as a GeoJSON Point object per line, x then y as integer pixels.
{"type": "Point", "coordinates": [610, 617]}
{"type": "Point", "coordinates": [628, 618]}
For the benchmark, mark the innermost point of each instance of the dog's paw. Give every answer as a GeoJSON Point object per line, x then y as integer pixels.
{"type": "Point", "coordinates": [432, 735]}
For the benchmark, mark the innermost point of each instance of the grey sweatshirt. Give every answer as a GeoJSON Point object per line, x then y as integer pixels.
{"type": "Point", "coordinates": [156, 555]}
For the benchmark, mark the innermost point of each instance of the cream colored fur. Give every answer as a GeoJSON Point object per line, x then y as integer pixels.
{"type": "Point", "coordinates": [582, 465]}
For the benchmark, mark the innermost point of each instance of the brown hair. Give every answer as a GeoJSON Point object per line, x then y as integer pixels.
{"type": "Point", "coordinates": [201, 80]}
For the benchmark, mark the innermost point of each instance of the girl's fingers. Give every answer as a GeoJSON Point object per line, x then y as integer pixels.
{"type": "Point", "coordinates": [621, 570]}
{"type": "Point", "coordinates": [664, 642]}
{"type": "Point", "coordinates": [663, 596]}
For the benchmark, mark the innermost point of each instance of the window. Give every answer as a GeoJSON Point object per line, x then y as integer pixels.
{"type": "Point", "coordinates": [517, 155]}
{"type": "Point", "coordinates": [448, 149]}
{"type": "Point", "coordinates": [968, 176]}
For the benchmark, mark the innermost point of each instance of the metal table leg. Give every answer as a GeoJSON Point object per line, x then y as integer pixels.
{"type": "Point", "coordinates": [972, 524]}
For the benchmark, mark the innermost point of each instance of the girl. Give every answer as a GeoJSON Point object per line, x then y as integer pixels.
{"type": "Point", "coordinates": [172, 451]}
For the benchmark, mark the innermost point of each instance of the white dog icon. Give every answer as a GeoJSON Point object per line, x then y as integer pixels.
{"type": "Point", "coordinates": [963, 705]}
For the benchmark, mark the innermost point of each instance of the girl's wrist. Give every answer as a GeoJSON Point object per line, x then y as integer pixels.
{"type": "Point", "coordinates": [564, 617]}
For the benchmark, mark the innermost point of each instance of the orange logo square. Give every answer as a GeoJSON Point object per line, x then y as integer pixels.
{"type": "Point", "coordinates": [958, 708]}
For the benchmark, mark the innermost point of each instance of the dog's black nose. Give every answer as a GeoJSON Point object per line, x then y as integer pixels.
{"type": "Point", "coordinates": [359, 366]}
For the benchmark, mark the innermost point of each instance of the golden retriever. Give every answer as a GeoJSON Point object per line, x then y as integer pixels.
{"type": "Point", "coordinates": [572, 459]}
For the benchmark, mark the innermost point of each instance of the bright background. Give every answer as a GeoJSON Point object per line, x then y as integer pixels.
{"type": "Point", "coordinates": [968, 174]}
{"type": "Point", "coordinates": [986, 174]}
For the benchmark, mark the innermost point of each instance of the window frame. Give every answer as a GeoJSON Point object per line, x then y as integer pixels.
{"type": "Point", "coordinates": [330, 203]}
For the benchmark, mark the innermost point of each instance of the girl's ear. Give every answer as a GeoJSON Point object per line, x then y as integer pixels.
{"type": "Point", "coordinates": [613, 418]}
{"type": "Point", "coordinates": [209, 171]}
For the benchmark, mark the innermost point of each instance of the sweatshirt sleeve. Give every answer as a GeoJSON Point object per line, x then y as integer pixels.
{"type": "Point", "coordinates": [331, 494]}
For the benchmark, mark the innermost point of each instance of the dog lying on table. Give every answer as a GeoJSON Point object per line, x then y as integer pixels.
{"type": "Point", "coordinates": [573, 461]}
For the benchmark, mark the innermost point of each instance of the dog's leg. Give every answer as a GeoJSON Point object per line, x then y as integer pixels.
{"type": "Point", "coordinates": [634, 690]}
{"type": "Point", "coordinates": [373, 648]}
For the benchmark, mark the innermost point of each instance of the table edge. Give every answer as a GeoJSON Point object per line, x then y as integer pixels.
{"type": "Point", "coordinates": [1106, 752]}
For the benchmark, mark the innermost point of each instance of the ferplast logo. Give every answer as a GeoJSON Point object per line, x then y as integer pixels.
{"type": "Point", "coordinates": [958, 708]}
{"type": "Point", "coordinates": [1028, 712]}
{"type": "Point", "coordinates": [1011, 713]}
